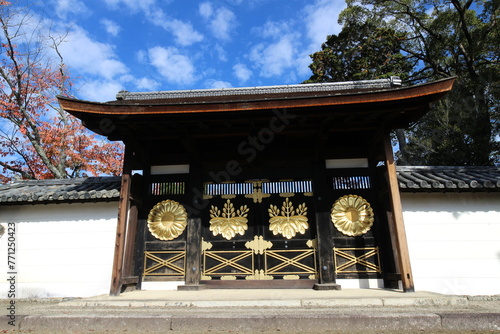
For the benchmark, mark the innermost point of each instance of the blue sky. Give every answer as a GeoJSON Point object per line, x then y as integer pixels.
{"type": "Point", "coordinates": [149, 45]}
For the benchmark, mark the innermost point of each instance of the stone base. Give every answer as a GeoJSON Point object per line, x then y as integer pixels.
{"type": "Point", "coordinates": [327, 286]}
{"type": "Point", "coordinates": [191, 287]}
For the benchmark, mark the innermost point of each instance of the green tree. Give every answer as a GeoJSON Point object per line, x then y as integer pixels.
{"type": "Point", "coordinates": [453, 38]}
{"type": "Point", "coordinates": [365, 49]}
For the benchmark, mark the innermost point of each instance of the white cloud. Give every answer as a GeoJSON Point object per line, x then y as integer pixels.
{"type": "Point", "coordinates": [221, 52]}
{"type": "Point", "coordinates": [321, 20]}
{"type": "Point", "coordinates": [147, 84]}
{"type": "Point", "coordinates": [242, 72]}
{"type": "Point", "coordinates": [290, 42]}
{"type": "Point", "coordinates": [221, 21]}
{"type": "Point", "coordinates": [279, 53]}
{"type": "Point", "coordinates": [100, 90]}
{"type": "Point", "coordinates": [222, 24]}
{"type": "Point", "coordinates": [273, 59]}
{"type": "Point", "coordinates": [133, 5]}
{"type": "Point", "coordinates": [234, 2]}
{"type": "Point", "coordinates": [64, 7]}
{"type": "Point", "coordinates": [217, 84]}
{"type": "Point", "coordinates": [272, 29]}
{"type": "Point", "coordinates": [183, 32]}
{"type": "Point", "coordinates": [302, 64]}
{"type": "Point", "coordinates": [206, 10]}
{"type": "Point", "coordinates": [141, 57]}
{"type": "Point", "coordinates": [95, 69]}
{"type": "Point", "coordinates": [88, 56]}
{"type": "Point", "coordinates": [142, 84]}
{"type": "Point", "coordinates": [111, 27]}
{"type": "Point", "coordinates": [172, 65]}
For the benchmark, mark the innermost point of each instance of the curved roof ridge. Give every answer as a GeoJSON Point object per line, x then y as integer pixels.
{"type": "Point", "coordinates": [277, 89]}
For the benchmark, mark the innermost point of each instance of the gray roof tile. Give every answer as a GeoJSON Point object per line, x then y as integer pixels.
{"type": "Point", "coordinates": [78, 189]}
{"type": "Point", "coordinates": [436, 179]}
{"type": "Point", "coordinates": [361, 85]}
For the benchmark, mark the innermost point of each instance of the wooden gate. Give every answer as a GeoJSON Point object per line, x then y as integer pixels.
{"type": "Point", "coordinates": [356, 251]}
{"type": "Point", "coordinates": [259, 230]}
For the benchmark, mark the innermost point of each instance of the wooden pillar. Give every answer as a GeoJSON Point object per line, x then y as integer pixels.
{"type": "Point", "coordinates": [121, 228]}
{"type": "Point", "coordinates": [131, 230]}
{"type": "Point", "coordinates": [324, 231]}
{"type": "Point", "coordinates": [193, 255]}
{"type": "Point", "coordinates": [130, 239]}
{"type": "Point", "coordinates": [194, 232]}
{"type": "Point", "coordinates": [397, 228]}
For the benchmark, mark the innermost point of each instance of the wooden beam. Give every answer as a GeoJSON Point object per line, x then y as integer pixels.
{"type": "Point", "coordinates": [121, 228]}
{"type": "Point", "coordinates": [396, 223]}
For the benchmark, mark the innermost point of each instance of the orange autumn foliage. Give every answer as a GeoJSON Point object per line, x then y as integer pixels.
{"type": "Point", "coordinates": [38, 140]}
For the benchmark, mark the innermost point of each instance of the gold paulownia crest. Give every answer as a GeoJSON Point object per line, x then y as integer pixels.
{"type": "Point", "coordinates": [289, 221]}
{"type": "Point", "coordinates": [258, 244]}
{"type": "Point", "coordinates": [167, 220]}
{"type": "Point", "coordinates": [229, 222]}
{"type": "Point", "coordinates": [352, 215]}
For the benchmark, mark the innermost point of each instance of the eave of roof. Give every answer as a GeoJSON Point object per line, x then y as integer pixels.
{"type": "Point", "coordinates": [264, 98]}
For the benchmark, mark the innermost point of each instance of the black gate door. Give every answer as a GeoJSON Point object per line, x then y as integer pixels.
{"type": "Point", "coordinates": [259, 230]}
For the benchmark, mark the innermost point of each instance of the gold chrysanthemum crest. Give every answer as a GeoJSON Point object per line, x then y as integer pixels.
{"type": "Point", "coordinates": [352, 215]}
{"type": "Point", "coordinates": [167, 220]}
{"type": "Point", "coordinates": [289, 221]}
{"type": "Point", "coordinates": [229, 222]}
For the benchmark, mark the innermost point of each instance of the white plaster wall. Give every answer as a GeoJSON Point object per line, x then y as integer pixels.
{"type": "Point", "coordinates": [63, 250]}
{"type": "Point", "coordinates": [454, 241]}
